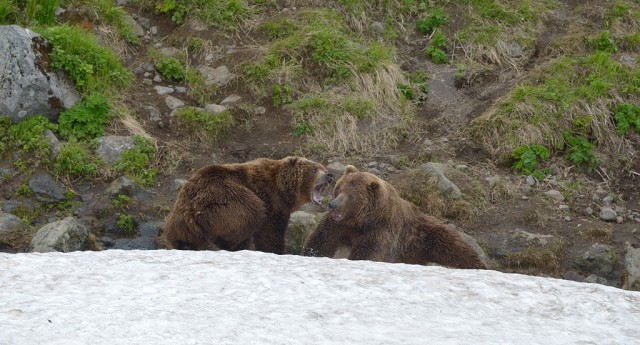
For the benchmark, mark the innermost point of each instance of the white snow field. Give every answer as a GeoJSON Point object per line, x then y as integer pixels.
{"type": "Point", "coordinates": [185, 297]}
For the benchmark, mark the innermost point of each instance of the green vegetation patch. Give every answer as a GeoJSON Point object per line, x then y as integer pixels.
{"type": "Point", "coordinates": [206, 126]}
{"type": "Point", "coordinates": [28, 137]}
{"type": "Point", "coordinates": [221, 14]}
{"type": "Point", "coordinates": [92, 66]}
{"type": "Point", "coordinates": [76, 160]}
{"type": "Point", "coordinates": [86, 119]}
{"type": "Point", "coordinates": [567, 105]}
{"type": "Point", "coordinates": [136, 163]}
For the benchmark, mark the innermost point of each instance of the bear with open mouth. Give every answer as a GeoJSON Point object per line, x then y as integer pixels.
{"type": "Point", "coordinates": [243, 205]}
{"type": "Point", "coordinates": [369, 218]}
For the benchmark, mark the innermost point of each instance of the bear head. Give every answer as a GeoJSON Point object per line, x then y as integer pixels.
{"type": "Point", "coordinates": [357, 196]}
{"type": "Point", "coordinates": [311, 178]}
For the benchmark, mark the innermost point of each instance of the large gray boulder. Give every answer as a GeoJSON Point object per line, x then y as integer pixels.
{"type": "Point", "coordinates": [14, 233]}
{"type": "Point", "coordinates": [66, 235]}
{"type": "Point", "coordinates": [111, 147]}
{"type": "Point", "coordinates": [599, 259]}
{"type": "Point", "coordinates": [632, 269]}
{"type": "Point", "coordinates": [438, 171]}
{"type": "Point", "coordinates": [28, 85]}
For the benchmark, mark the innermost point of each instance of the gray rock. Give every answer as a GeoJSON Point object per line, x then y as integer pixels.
{"type": "Point", "coordinates": [231, 99]}
{"type": "Point", "coordinates": [11, 205]}
{"type": "Point", "coordinates": [148, 66]}
{"type": "Point", "coordinates": [377, 27]}
{"type": "Point", "coordinates": [111, 147]}
{"type": "Point", "coordinates": [336, 167]}
{"type": "Point", "coordinates": [572, 275]}
{"type": "Point", "coordinates": [462, 167]}
{"type": "Point", "coordinates": [476, 247]}
{"type": "Point", "coordinates": [515, 49]}
{"type": "Point", "coordinates": [178, 183]}
{"type": "Point", "coordinates": [608, 199]}
{"type": "Point", "coordinates": [563, 207]}
{"type": "Point", "coordinates": [446, 187]}
{"type": "Point", "coordinates": [531, 181]}
{"type": "Point", "coordinates": [208, 58]}
{"type": "Point", "coordinates": [157, 78]}
{"type": "Point", "coordinates": [66, 235]}
{"type": "Point", "coordinates": [153, 30]}
{"type": "Point", "coordinates": [13, 232]}
{"type": "Point", "coordinates": [144, 22]}
{"type": "Point", "coordinates": [169, 51]}
{"type": "Point", "coordinates": [123, 186]}
{"type": "Point", "coordinates": [619, 219]}
{"type": "Point", "coordinates": [493, 180]}
{"type": "Point", "coordinates": [154, 114]}
{"type": "Point", "coordinates": [151, 228]}
{"type": "Point", "coordinates": [215, 108]}
{"type": "Point", "coordinates": [163, 90]}
{"type": "Point", "coordinates": [260, 110]}
{"type": "Point", "coordinates": [137, 28]}
{"type": "Point", "coordinates": [173, 103]}
{"type": "Point", "coordinates": [219, 76]}
{"type": "Point", "coordinates": [197, 25]}
{"type": "Point", "coordinates": [54, 144]}
{"type": "Point", "coordinates": [555, 195]}
{"type": "Point", "coordinates": [147, 81]}
{"type": "Point", "coordinates": [28, 85]}
{"type": "Point", "coordinates": [122, 2]}
{"type": "Point", "coordinates": [46, 188]}
{"type": "Point", "coordinates": [138, 243]}
{"type": "Point", "coordinates": [588, 211]}
{"type": "Point", "coordinates": [300, 225]}
{"type": "Point", "coordinates": [599, 259]}
{"type": "Point", "coordinates": [374, 171]}
{"type": "Point", "coordinates": [632, 269]}
{"type": "Point", "coordinates": [181, 90]}
{"type": "Point", "coordinates": [608, 214]}
{"type": "Point", "coordinates": [595, 279]}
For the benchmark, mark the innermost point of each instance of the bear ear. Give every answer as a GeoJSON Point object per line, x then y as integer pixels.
{"type": "Point", "coordinates": [349, 169]}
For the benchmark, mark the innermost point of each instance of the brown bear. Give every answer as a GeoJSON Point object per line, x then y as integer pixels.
{"type": "Point", "coordinates": [368, 216]}
{"type": "Point", "coordinates": [239, 206]}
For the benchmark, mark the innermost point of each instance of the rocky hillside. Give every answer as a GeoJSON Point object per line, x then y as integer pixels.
{"type": "Point", "coordinates": [518, 122]}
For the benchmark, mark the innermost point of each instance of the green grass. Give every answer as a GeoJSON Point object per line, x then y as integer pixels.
{"type": "Point", "coordinates": [76, 160]}
{"type": "Point", "coordinates": [136, 163]}
{"type": "Point", "coordinates": [221, 14]}
{"type": "Point", "coordinates": [115, 16]}
{"type": "Point", "coordinates": [171, 68]}
{"type": "Point", "coordinates": [572, 94]}
{"type": "Point", "coordinates": [90, 65]}
{"type": "Point", "coordinates": [126, 223]}
{"type": "Point", "coordinates": [205, 126]}
{"type": "Point", "coordinates": [27, 136]}
{"type": "Point", "coordinates": [8, 12]}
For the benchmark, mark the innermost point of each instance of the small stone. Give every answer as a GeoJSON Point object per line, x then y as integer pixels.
{"type": "Point", "coordinates": [336, 167]}
{"type": "Point", "coordinates": [163, 90]}
{"type": "Point", "coordinates": [260, 110]}
{"type": "Point", "coordinates": [515, 49]}
{"type": "Point", "coordinates": [531, 181]}
{"type": "Point", "coordinates": [169, 51]}
{"type": "Point", "coordinates": [178, 183]}
{"type": "Point", "coordinates": [215, 108]}
{"type": "Point", "coordinates": [462, 167]}
{"type": "Point", "coordinates": [619, 219]}
{"type": "Point", "coordinates": [563, 207]}
{"type": "Point", "coordinates": [608, 199]}
{"type": "Point", "coordinates": [374, 171]}
{"type": "Point", "coordinates": [157, 78]}
{"type": "Point", "coordinates": [555, 195]}
{"type": "Point", "coordinates": [181, 89]}
{"type": "Point", "coordinates": [173, 103]}
{"type": "Point", "coordinates": [372, 164]}
{"type": "Point", "coordinates": [390, 168]}
{"type": "Point", "coordinates": [231, 99]}
{"type": "Point", "coordinates": [154, 30]}
{"type": "Point", "coordinates": [595, 279]}
{"type": "Point", "coordinates": [377, 27]}
{"type": "Point", "coordinates": [208, 58]}
{"type": "Point", "coordinates": [567, 219]}
{"type": "Point", "coordinates": [524, 197]}
{"type": "Point", "coordinates": [588, 211]}
{"type": "Point", "coordinates": [147, 81]}
{"type": "Point", "coordinates": [608, 214]}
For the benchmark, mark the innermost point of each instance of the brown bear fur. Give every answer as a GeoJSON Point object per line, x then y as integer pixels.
{"type": "Point", "coordinates": [237, 206]}
{"type": "Point", "coordinates": [368, 215]}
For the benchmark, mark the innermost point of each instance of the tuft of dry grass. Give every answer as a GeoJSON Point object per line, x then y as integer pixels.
{"type": "Point", "coordinates": [598, 233]}
{"type": "Point", "coordinates": [538, 260]}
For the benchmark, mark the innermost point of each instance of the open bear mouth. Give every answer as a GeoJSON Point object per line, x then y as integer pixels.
{"type": "Point", "coordinates": [336, 215]}
{"type": "Point", "coordinates": [316, 195]}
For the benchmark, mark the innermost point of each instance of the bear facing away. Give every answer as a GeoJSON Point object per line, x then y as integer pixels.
{"type": "Point", "coordinates": [237, 206]}
{"type": "Point", "coordinates": [368, 215]}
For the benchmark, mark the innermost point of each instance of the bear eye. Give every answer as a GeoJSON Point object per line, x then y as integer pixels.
{"type": "Point", "coordinates": [314, 170]}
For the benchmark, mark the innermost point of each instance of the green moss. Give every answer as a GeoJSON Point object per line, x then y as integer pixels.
{"type": "Point", "coordinates": [76, 160]}
{"type": "Point", "coordinates": [136, 162]}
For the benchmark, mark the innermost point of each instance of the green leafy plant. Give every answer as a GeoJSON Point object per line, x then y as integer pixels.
{"type": "Point", "coordinates": [205, 125]}
{"type": "Point", "coordinates": [278, 29]}
{"type": "Point", "coordinates": [603, 42]}
{"type": "Point", "coordinates": [121, 201]}
{"type": "Point", "coordinates": [86, 119]}
{"type": "Point", "coordinates": [431, 21]}
{"type": "Point", "coordinates": [528, 159]}
{"type": "Point", "coordinates": [171, 68]}
{"type": "Point", "coordinates": [5, 124]}
{"type": "Point", "coordinates": [76, 160]}
{"type": "Point", "coordinates": [24, 190]}
{"type": "Point", "coordinates": [178, 10]}
{"type": "Point", "coordinates": [436, 49]}
{"type": "Point", "coordinates": [136, 162]}
{"type": "Point", "coordinates": [579, 150]}
{"type": "Point", "coordinates": [281, 95]}
{"type": "Point", "coordinates": [126, 223]}
{"type": "Point", "coordinates": [627, 116]}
